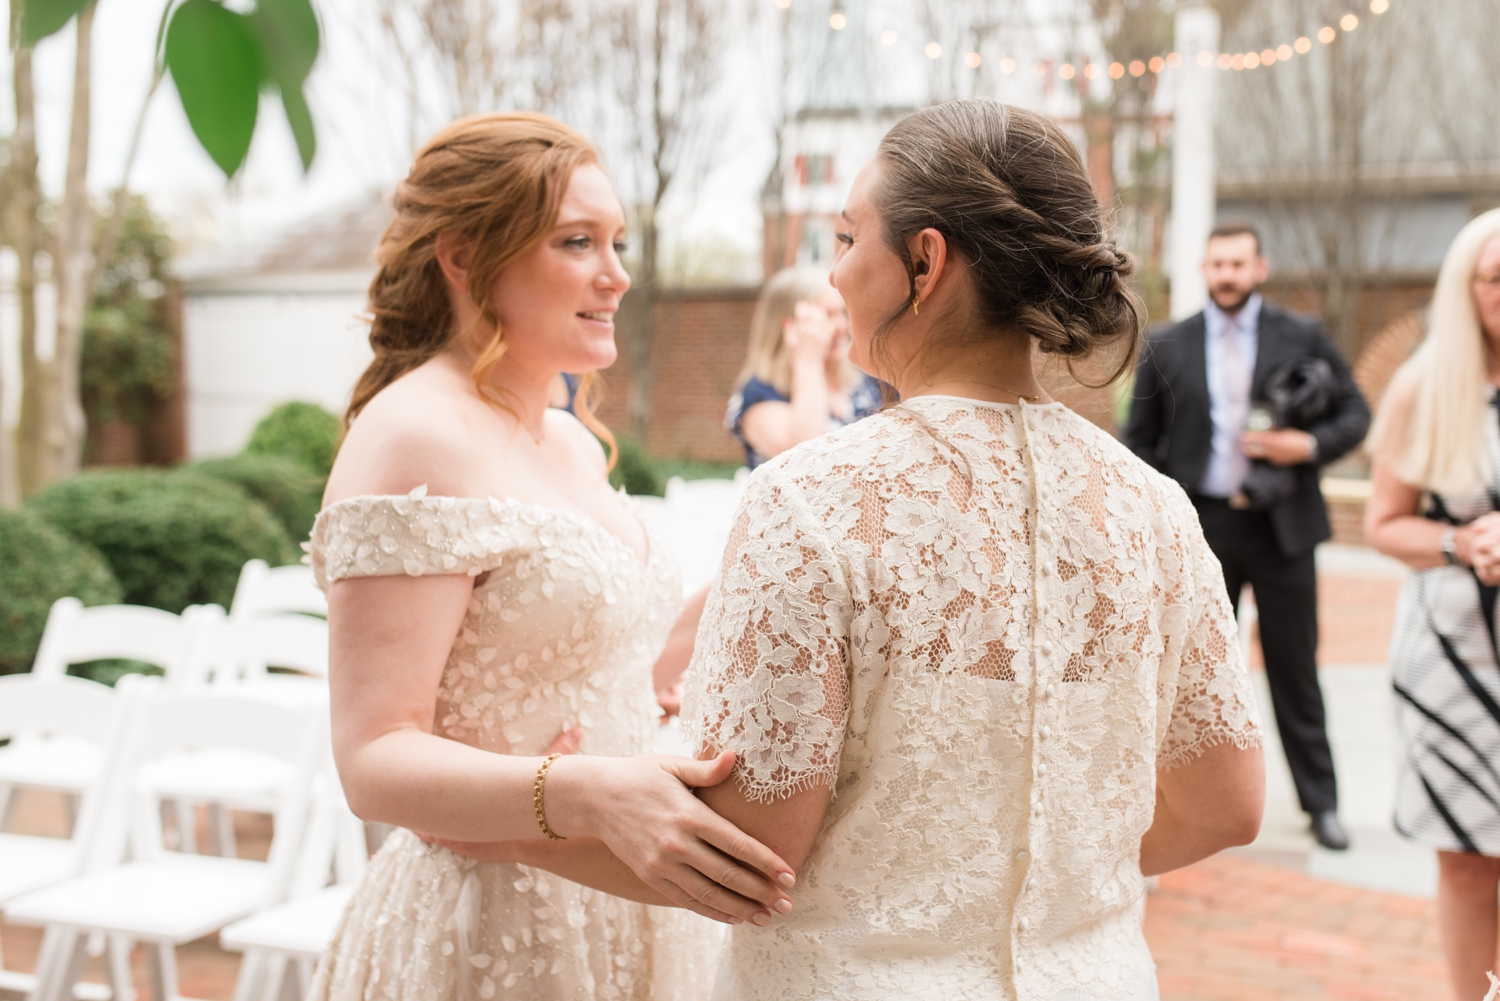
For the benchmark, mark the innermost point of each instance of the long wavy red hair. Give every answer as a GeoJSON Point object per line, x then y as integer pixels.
{"type": "Point", "coordinates": [497, 179]}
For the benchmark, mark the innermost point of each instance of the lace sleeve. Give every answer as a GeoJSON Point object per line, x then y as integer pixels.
{"type": "Point", "coordinates": [1207, 691]}
{"type": "Point", "coordinates": [768, 678]}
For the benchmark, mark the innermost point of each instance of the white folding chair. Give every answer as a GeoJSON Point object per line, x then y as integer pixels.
{"type": "Point", "coordinates": [236, 655]}
{"type": "Point", "coordinates": [288, 939]}
{"type": "Point", "coordinates": [267, 590]}
{"type": "Point", "coordinates": [163, 898]}
{"type": "Point", "coordinates": [75, 635]}
{"type": "Point", "coordinates": [90, 713]}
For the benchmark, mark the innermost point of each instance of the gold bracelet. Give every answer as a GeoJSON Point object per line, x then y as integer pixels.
{"type": "Point", "coordinates": [536, 797]}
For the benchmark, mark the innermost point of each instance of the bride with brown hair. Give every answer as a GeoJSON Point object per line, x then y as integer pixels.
{"type": "Point", "coordinates": [487, 592]}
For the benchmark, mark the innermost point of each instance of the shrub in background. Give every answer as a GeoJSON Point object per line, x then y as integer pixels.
{"type": "Point", "coordinates": [174, 538]}
{"type": "Point", "coordinates": [636, 471]}
{"type": "Point", "coordinates": [39, 564]}
{"type": "Point", "coordinates": [302, 431]}
{"type": "Point", "coordinates": [292, 491]}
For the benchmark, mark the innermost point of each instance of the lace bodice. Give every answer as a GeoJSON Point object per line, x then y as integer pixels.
{"type": "Point", "coordinates": [985, 627]}
{"type": "Point", "coordinates": [562, 629]}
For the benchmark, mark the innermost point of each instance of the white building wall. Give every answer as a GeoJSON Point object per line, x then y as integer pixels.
{"type": "Point", "coordinates": [251, 344]}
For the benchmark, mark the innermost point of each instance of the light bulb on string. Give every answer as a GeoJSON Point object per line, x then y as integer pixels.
{"type": "Point", "coordinates": [1174, 60]}
{"type": "Point", "coordinates": [1116, 70]}
{"type": "Point", "coordinates": [1303, 45]}
{"type": "Point", "coordinates": [1066, 71]}
{"type": "Point", "coordinates": [783, 4]}
{"type": "Point", "coordinates": [888, 37]}
{"type": "Point", "coordinates": [1349, 22]}
{"type": "Point", "coordinates": [1157, 64]}
{"type": "Point", "coordinates": [1283, 52]}
{"type": "Point", "coordinates": [837, 21]}
{"type": "Point", "coordinates": [1137, 68]}
{"type": "Point", "coordinates": [972, 60]}
{"type": "Point", "coordinates": [933, 50]}
{"type": "Point", "coordinates": [1007, 65]}
{"type": "Point", "coordinates": [1268, 57]}
{"type": "Point", "coordinates": [1205, 58]}
{"type": "Point", "coordinates": [1379, 6]}
{"type": "Point", "coordinates": [1326, 34]}
{"type": "Point", "coordinates": [1091, 71]}
{"type": "Point", "coordinates": [1225, 60]}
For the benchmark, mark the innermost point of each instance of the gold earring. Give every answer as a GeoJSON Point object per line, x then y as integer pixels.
{"type": "Point", "coordinates": [916, 299]}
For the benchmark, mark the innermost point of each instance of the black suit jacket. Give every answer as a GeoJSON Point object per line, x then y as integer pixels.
{"type": "Point", "coordinates": [1170, 427]}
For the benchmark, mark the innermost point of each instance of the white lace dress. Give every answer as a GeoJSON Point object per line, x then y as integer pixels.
{"type": "Point", "coordinates": [562, 632]}
{"type": "Point", "coordinates": [985, 627]}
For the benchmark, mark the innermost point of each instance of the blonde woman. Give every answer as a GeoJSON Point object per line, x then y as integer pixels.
{"type": "Point", "coordinates": [1436, 450]}
{"type": "Point", "coordinates": [797, 382]}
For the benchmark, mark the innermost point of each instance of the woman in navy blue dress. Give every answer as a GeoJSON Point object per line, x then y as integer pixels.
{"type": "Point", "coordinates": [797, 381]}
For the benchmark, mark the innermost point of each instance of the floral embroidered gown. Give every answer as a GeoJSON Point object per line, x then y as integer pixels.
{"type": "Point", "coordinates": [985, 627]}
{"type": "Point", "coordinates": [562, 631]}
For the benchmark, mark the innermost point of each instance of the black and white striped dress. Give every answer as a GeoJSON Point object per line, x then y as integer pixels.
{"type": "Point", "coordinates": [1445, 665]}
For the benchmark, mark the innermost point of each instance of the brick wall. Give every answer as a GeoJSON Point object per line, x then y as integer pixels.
{"type": "Point", "coordinates": [700, 345]}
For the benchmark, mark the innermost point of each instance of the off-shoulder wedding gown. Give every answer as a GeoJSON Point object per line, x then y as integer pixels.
{"type": "Point", "coordinates": [562, 631]}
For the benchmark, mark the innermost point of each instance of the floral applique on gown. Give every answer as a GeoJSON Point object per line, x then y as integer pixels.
{"type": "Point", "coordinates": [563, 632]}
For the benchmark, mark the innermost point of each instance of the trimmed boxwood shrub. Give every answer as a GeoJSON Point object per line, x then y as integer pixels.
{"type": "Point", "coordinates": [635, 471]}
{"type": "Point", "coordinates": [291, 490]}
{"type": "Point", "coordinates": [38, 565]}
{"type": "Point", "coordinates": [172, 538]}
{"type": "Point", "coordinates": [302, 431]}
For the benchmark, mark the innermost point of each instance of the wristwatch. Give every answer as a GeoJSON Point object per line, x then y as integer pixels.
{"type": "Point", "coordinates": [1449, 548]}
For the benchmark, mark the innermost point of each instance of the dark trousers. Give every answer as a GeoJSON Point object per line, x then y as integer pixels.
{"type": "Point", "coordinates": [1286, 592]}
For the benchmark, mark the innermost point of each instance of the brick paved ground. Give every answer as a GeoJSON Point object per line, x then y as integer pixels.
{"type": "Point", "coordinates": [1233, 928]}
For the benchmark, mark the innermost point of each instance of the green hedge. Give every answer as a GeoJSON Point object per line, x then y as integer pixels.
{"type": "Point", "coordinates": [291, 490]}
{"type": "Point", "coordinates": [174, 538]}
{"type": "Point", "coordinates": [38, 565]}
{"type": "Point", "coordinates": [302, 431]}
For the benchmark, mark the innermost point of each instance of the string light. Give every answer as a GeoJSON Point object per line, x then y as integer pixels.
{"type": "Point", "coordinates": [1283, 52]}
{"type": "Point", "coordinates": [1137, 68]}
{"type": "Point", "coordinates": [888, 37]}
{"type": "Point", "coordinates": [1066, 71]}
{"type": "Point", "coordinates": [1116, 70]}
{"type": "Point", "coordinates": [933, 50]}
{"type": "Point", "coordinates": [1007, 65]}
{"type": "Point", "coordinates": [972, 60]}
{"type": "Point", "coordinates": [1157, 64]}
{"type": "Point", "coordinates": [1303, 45]}
{"type": "Point", "coordinates": [1205, 58]}
{"type": "Point", "coordinates": [1174, 60]}
{"type": "Point", "coordinates": [1326, 34]}
{"type": "Point", "coordinates": [783, 4]}
{"type": "Point", "coordinates": [838, 22]}
{"type": "Point", "coordinates": [1379, 6]}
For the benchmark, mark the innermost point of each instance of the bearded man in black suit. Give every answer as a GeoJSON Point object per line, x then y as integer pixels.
{"type": "Point", "coordinates": [1197, 416]}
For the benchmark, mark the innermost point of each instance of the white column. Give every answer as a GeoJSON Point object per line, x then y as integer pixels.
{"type": "Point", "coordinates": [1196, 31]}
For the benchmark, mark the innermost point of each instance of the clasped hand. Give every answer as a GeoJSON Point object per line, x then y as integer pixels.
{"type": "Point", "coordinates": [1478, 545]}
{"type": "Point", "coordinates": [644, 811]}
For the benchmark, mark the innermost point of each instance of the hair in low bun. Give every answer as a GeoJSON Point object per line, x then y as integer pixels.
{"type": "Point", "coordinates": [1009, 192]}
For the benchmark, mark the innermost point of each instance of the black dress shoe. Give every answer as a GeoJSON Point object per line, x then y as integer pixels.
{"type": "Point", "coordinates": [1329, 832]}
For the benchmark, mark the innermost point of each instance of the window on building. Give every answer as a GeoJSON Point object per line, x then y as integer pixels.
{"type": "Point", "coordinates": [814, 168]}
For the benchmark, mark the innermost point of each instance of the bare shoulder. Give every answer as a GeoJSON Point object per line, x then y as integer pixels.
{"type": "Point", "coordinates": [419, 431]}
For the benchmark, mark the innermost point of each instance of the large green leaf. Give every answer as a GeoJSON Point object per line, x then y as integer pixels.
{"type": "Point", "coordinates": [288, 33]}
{"type": "Point", "coordinates": [214, 58]}
{"type": "Point", "coordinates": [40, 18]}
{"type": "Point", "coordinates": [301, 121]}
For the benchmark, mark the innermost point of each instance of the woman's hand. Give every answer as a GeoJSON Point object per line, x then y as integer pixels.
{"type": "Point", "coordinates": [809, 335]}
{"type": "Point", "coordinates": [643, 809]}
{"type": "Point", "coordinates": [1477, 544]}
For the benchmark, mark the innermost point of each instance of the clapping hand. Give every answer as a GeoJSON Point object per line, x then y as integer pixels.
{"type": "Point", "coordinates": [1478, 545]}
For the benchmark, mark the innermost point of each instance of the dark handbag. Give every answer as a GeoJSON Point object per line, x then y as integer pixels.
{"type": "Point", "coordinates": [1298, 395]}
